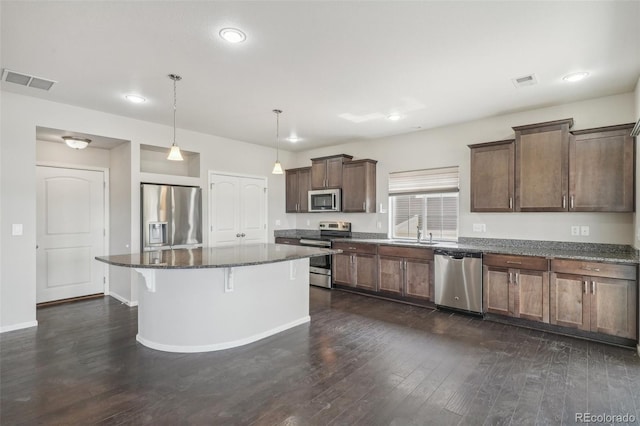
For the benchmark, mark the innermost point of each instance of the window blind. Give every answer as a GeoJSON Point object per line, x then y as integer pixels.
{"type": "Point", "coordinates": [444, 179]}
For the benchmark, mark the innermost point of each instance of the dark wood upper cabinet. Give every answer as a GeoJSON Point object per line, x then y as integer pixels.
{"type": "Point", "coordinates": [359, 186]}
{"type": "Point", "coordinates": [298, 184]}
{"type": "Point", "coordinates": [326, 172]}
{"type": "Point", "coordinates": [542, 166]}
{"type": "Point", "coordinates": [601, 170]}
{"type": "Point", "coordinates": [492, 176]}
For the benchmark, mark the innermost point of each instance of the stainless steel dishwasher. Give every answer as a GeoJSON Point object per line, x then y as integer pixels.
{"type": "Point", "coordinates": [458, 280]}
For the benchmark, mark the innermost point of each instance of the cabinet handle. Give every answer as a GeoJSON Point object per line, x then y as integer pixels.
{"type": "Point", "coordinates": [512, 262]}
{"type": "Point", "coordinates": [238, 235]}
{"type": "Point", "coordinates": [564, 201]}
{"type": "Point", "coordinates": [510, 203]}
{"type": "Point", "coordinates": [593, 287]}
{"type": "Point", "coordinates": [586, 268]}
{"type": "Point", "coordinates": [509, 281]}
{"type": "Point", "coordinates": [364, 205]}
{"type": "Point", "coordinates": [516, 281]}
{"type": "Point", "coordinates": [243, 235]}
{"type": "Point", "coordinates": [352, 258]}
{"type": "Point", "coordinates": [585, 287]}
{"type": "Point", "coordinates": [353, 248]}
{"type": "Point", "coordinates": [571, 202]}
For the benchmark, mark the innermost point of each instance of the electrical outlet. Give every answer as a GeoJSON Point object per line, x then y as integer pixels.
{"type": "Point", "coordinates": [584, 231]}
{"type": "Point", "coordinates": [575, 230]}
{"type": "Point", "coordinates": [16, 229]}
{"type": "Point", "coordinates": [479, 227]}
{"type": "Point", "coordinates": [278, 222]}
{"type": "Point", "coordinates": [308, 223]}
{"type": "Point", "coordinates": [379, 225]}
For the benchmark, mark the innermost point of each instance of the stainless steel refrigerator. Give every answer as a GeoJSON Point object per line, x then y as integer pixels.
{"type": "Point", "coordinates": [171, 216]}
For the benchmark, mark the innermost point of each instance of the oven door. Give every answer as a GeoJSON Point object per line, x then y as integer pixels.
{"type": "Point", "coordinates": [320, 266]}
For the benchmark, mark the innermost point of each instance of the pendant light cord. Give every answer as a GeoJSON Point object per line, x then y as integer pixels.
{"type": "Point", "coordinates": [174, 111]}
{"type": "Point", "coordinates": [277, 112]}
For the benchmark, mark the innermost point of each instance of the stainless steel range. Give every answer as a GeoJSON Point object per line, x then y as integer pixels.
{"type": "Point", "coordinates": [320, 267]}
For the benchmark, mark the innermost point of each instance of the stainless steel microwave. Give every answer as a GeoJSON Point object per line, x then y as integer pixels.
{"type": "Point", "coordinates": [325, 200]}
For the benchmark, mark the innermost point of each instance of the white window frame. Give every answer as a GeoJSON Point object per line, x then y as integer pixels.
{"type": "Point", "coordinates": [425, 183]}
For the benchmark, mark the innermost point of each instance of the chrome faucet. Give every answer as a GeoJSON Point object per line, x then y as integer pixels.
{"type": "Point", "coordinates": [418, 233]}
{"type": "Point", "coordinates": [430, 237]}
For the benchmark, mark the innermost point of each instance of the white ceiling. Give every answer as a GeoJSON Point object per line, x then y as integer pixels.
{"type": "Point", "coordinates": [336, 69]}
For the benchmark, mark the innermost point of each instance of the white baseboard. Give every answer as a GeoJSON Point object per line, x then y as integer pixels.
{"type": "Point", "coordinates": [18, 326]}
{"type": "Point", "coordinates": [223, 345]}
{"type": "Point", "coordinates": [123, 299]}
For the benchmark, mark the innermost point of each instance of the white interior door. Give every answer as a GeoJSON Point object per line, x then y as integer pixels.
{"type": "Point", "coordinates": [238, 212]}
{"type": "Point", "coordinates": [69, 233]}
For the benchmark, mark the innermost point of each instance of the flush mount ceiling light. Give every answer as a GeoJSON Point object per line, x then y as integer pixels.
{"type": "Point", "coordinates": [136, 99]}
{"type": "Point", "coordinates": [232, 35]}
{"type": "Point", "coordinates": [76, 142]}
{"type": "Point", "coordinates": [277, 167]}
{"type": "Point", "coordinates": [394, 117]}
{"type": "Point", "coordinates": [576, 76]}
{"type": "Point", "coordinates": [174, 154]}
{"type": "Point", "coordinates": [294, 139]}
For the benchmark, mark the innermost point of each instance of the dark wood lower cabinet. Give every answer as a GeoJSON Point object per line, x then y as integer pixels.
{"type": "Point", "coordinates": [512, 290]}
{"type": "Point", "coordinates": [405, 277]}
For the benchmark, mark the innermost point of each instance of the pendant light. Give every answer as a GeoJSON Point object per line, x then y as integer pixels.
{"type": "Point", "coordinates": [174, 154]}
{"type": "Point", "coordinates": [277, 168]}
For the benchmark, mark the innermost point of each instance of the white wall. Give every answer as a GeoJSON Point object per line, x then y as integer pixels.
{"type": "Point", "coordinates": [20, 115]}
{"type": "Point", "coordinates": [60, 154]}
{"type": "Point", "coordinates": [637, 214]}
{"type": "Point", "coordinates": [447, 146]}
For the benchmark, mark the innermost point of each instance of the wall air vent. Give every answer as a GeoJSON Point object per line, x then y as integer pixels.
{"type": "Point", "coordinates": [26, 80]}
{"type": "Point", "coordinates": [636, 129]}
{"type": "Point", "coordinates": [525, 80]}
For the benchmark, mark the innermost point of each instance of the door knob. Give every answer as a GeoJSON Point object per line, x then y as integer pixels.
{"type": "Point", "coordinates": [243, 235]}
{"type": "Point", "coordinates": [238, 235]}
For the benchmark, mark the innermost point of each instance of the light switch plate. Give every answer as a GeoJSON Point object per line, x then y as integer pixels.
{"type": "Point", "coordinates": [277, 222]}
{"type": "Point", "coordinates": [584, 231]}
{"type": "Point", "coordinates": [479, 227]}
{"type": "Point", "coordinates": [16, 229]}
{"type": "Point", "coordinates": [575, 230]}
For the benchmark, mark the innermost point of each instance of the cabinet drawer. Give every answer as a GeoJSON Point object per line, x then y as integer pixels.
{"type": "Point", "coordinates": [350, 247]}
{"type": "Point", "coordinates": [408, 252]}
{"type": "Point", "coordinates": [594, 269]}
{"type": "Point", "coordinates": [286, 240]}
{"type": "Point", "coordinates": [516, 262]}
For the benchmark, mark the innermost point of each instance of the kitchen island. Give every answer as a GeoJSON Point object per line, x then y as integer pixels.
{"type": "Point", "coordinates": [213, 298]}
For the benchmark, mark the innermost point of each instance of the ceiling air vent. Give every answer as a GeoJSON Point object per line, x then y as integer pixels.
{"type": "Point", "coordinates": [27, 80]}
{"type": "Point", "coordinates": [526, 80]}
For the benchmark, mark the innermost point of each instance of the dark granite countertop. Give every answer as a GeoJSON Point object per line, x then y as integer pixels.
{"type": "Point", "coordinates": [592, 252]}
{"type": "Point", "coordinates": [215, 257]}
{"type": "Point", "coordinates": [551, 250]}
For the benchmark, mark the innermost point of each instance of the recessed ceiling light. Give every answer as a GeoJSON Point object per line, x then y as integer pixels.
{"type": "Point", "coordinates": [394, 117]}
{"type": "Point", "coordinates": [294, 139]}
{"type": "Point", "coordinates": [576, 76]}
{"type": "Point", "coordinates": [136, 99]}
{"type": "Point", "coordinates": [233, 35]}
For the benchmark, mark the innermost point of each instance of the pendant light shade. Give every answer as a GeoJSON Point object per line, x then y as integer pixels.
{"type": "Point", "coordinates": [174, 154]}
{"type": "Point", "coordinates": [277, 167]}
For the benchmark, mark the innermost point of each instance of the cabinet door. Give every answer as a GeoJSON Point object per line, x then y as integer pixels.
{"type": "Point", "coordinates": [304, 185]}
{"type": "Point", "coordinates": [496, 290]}
{"type": "Point", "coordinates": [569, 304]}
{"type": "Point", "coordinates": [418, 279]}
{"type": "Point", "coordinates": [391, 274]}
{"type": "Point", "coordinates": [292, 191]}
{"type": "Point", "coordinates": [530, 295]}
{"type": "Point", "coordinates": [359, 186]}
{"type": "Point", "coordinates": [366, 271]}
{"type": "Point", "coordinates": [318, 174]}
{"type": "Point", "coordinates": [613, 306]}
{"type": "Point", "coordinates": [601, 172]}
{"type": "Point", "coordinates": [342, 269]}
{"type": "Point", "coordinates": [492, 177]}
{"type": "Point", "coordinates": [542, 166]}
{"type": "Point", "coordinates": [334, 172]}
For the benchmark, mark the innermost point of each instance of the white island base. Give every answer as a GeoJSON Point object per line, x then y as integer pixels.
{"type": "Point", "coordinates": [209, 309]}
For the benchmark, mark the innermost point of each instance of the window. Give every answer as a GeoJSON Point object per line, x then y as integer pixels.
{"type": "Point", "coordinates": [427, 199]}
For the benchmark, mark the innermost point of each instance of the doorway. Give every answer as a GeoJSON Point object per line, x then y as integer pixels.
{"type": "Point", "coordinates": [70, 232]}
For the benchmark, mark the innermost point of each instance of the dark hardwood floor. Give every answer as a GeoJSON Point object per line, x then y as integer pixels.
{"type": "Point", "coordinates": [361, 361]}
